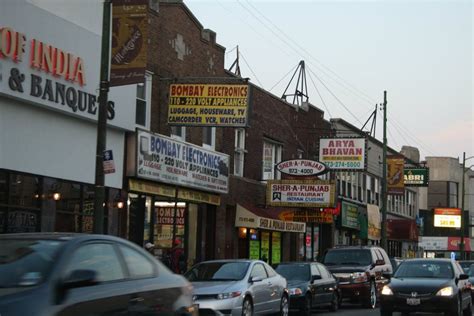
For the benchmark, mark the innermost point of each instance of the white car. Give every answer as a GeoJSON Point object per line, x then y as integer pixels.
{"type": "Point", "coordinates": [238, 287]}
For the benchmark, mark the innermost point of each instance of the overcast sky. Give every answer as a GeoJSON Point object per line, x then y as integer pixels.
{"type": "Point", "coordinates": [419, 51]}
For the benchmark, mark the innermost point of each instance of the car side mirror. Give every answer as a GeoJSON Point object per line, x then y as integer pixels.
{"type": "Point", "coordinates": [256, 279]}
{"type": "Point", "coordinates": [80, 278]}
{"type": "Point", "coordinates": [387, 275]}
{"type": "Point", "coordinates": [315, 277]}
{"type": "Point", "coordinates": [463, 276]}
{"type": "Point", "coordinates": [379, 262]}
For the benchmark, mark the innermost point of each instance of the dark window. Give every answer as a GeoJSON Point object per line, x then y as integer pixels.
{"type": "Point", "coordinates": [138, 265]}
{"type": "Point", "coordinates": [258, 271]}
{"type": "Point", "coordinates": [140, 112]}
{"type": "Point", "coordinates": [294, 271]}
{"type": "Point", "coordinates": [100, 258]}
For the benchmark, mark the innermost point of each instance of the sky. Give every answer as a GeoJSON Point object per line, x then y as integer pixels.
{"type": "Point", "coordinates": [420, 52]}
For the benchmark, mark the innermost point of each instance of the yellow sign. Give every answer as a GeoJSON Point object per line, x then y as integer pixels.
{"type": "Point", "coordinates": [307, 216]}
{"type": "Point", "coordinates": [218, 105]}
{"type": "Point", "coordinates": [395, 177]}
{"type": "Point", "coordinates": [183, 194]}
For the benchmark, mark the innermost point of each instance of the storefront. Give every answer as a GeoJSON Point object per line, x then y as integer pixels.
{"type": "Point", "coordinates": [349, 223]}
{"type": "Point", "coordinates": [166, 203]}
{"type": "Point", "coordinates": [402, 238]}
{"type": "Point", "coordinates": [261, 237]}
{"type": "Point", "coordinates": [48, 114]}
{"type": "Point", "coordinates": [371, 225]}
{"type": "Point", "coordinates": [442, 247]}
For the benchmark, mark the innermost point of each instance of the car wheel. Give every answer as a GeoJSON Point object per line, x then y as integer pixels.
{"type": "Point", "coordinates": [334, 302]}
{"type": "Point", "coordinates": [307, 305]}
{"type": "Point", "coordinates": [284, 306]}
{"type": "Point", "coordinates": [372, 299]}
{"type": "Point", "coordinates": [247, 307]}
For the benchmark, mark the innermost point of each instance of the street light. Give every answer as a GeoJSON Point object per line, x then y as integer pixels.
{"type": "Point", "coordinates": [464, 170]}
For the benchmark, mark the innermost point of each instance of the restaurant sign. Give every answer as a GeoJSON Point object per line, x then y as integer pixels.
{"type": "Point", "coordinates": [307, 216]}
{"type": "Point", "coordinates": [161, 158]}
{"type": "Point", "coordinates": [416, 177]}
{"type": "Point", "coordinates": [343, 153]}
{"type": "Point", "coordinates": [301, 167]}
{"type": "Point", "coordinates": [301, 193]}
{"type": "Point", "coordinates": [245, 218]}
{"type": "Point", "coordinates": [447, 217]}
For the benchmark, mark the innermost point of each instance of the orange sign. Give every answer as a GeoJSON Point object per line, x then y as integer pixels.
{"type": "Point", "coordinates": [395, 178]}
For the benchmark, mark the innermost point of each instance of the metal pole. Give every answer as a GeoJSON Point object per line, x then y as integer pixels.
{"type": "Point", "coordinates": [102, 122]}
{"type": "Point", "coordinates": [461, 245]}
{"type": "Point", "coordinates": [175, 216]}
{"type": "Point", "coordinates": [384, 175]}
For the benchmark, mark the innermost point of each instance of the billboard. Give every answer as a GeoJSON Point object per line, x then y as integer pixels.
{"type": "Point", "coordinates": [416, 177]}
{"type": "Point", "coordinates": [343, 153]}
{"type": "Point", "coordinates": [395, 174]}
{"type": "Point", "coordinates": [129, 42]}
{"type": "Point", "coordinates": [447, 217]}
{"type": "Point", "coordinates": [217, 105]}
{"type": "Point", "coordinates": [301, 193]}
{"type": "Point", "coordinates": [161, 158]}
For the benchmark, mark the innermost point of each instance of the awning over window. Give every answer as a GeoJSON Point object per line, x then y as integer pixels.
{"type": "Point", "coordinates": [247, 217]}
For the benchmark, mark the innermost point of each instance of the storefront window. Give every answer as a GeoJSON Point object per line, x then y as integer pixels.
{"type": "Point", "coordinates": [265, 251]}
{"type": "Point", "coordinates": [254, 244]}
{"type": "Point", "coordinates": [276, 248]}
{"type": "Point", "coordinates": [164, 215]}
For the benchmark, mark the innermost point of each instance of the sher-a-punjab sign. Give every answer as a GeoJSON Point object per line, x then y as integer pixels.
{"type": "Point", "coordinates": [161, 158]}
{"type": "Point", "coordinates": [301, 167]}
{"type": "Point", "coordinates": [217, 105]}
{"type": "Point", "coordinates": [416, 177]}
{"type": "Point", "coordinates": [343, 153]}
{"type": "Point", "coordinates": [301, 193]}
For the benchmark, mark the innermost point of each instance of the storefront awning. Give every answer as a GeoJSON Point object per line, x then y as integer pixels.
{"type": "Point", "coordinates": [247, 217]}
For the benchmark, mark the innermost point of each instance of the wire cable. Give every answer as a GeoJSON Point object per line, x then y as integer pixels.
{"type": "Point", "coordinates": [320, 96]}
{"type": "Point", "coordinates": [293, 69]}
{"type": "Point", "coordinates": [245, 60]}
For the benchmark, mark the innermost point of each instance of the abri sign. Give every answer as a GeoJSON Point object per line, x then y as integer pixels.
{"type": "Point", "coordinates": [301, 167]}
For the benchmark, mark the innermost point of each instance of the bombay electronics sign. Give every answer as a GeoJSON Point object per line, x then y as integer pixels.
{"type": "Point", "coordinates": [343, 153]}
{"type": "Point", "coordinates": [161, 158]}
{"type": "Point", "coordinates": [301, 193]}
{"type": "Point", "coordinates": [301, 167]}
{"type": "Point", "coordinates": [447, 217]}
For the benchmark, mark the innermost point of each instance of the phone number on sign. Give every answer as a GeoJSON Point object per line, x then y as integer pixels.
{"type": "Point", "coordinates": [344, 164]}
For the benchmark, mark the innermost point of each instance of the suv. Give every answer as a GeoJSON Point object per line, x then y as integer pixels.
{"type": "Point", "coordinates": [359, 270]}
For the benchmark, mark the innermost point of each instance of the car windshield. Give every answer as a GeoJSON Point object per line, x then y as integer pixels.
{"type": "Point", "coordinates": [468, 267]}
{"type": "Point", "coordinates": [26, 262]}
{"type": "Point", "coordinates": [293, 272]}
{"type": "Point", "coordinates": [218, 271]}
{"type": "Point", "coordinates": [425, 269]}
{"type": "Point", "coordinates": [348, 257]}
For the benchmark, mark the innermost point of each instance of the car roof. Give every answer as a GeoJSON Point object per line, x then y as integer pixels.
{"type": "Point", "coordinates": [428, 259]}
{"type": "Point", "coordinates": [231, 260]}
{"type": "Point", "coordinates": [297, 262]}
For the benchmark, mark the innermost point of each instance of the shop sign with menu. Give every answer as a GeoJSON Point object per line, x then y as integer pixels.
{"type": "Point", "coordinates": [343, 153]}
{"type": "Point", "coordinates": [301, 193]}
{"type": "Point", "coordinates": [161, 158]}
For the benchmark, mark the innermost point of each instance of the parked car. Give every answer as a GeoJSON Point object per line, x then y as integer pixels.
{"type": "Point", "coordinates": [468, 267]}
{"type": "Point", "coordinates": [310, 284]}
{"type": "Point", "coordinates": [427, 285]}
{"type": "Point", "coordinates": [359, 271]}
{"type": "Point", "coordinates": [238, 287]}
{"type": "Point", "coordinates": [47, 274]}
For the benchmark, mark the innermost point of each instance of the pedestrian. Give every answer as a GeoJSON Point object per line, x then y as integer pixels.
{"type": "Point", "coordinates": [150, 248]}
{"type": "Point", "coordinates": [178, 259]}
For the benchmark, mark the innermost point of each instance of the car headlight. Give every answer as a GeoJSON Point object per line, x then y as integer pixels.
{"type": "Point", "coordinates": [295, 291]}
{"type": "Point", "coordinates": [447, 291]}
{"type": "Point", "coordinates": [223, 296]}
{"type": "Point", "coordinates": [359, 277]}
{"type": "Point", "coordinates": [387, 290]}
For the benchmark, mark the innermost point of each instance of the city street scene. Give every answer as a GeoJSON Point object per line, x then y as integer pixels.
{"type": "Point", "coordinates": [237, 157]}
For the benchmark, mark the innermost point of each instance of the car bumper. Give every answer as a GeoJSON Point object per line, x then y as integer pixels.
{"type": "Point", "coordinates": [232, 306]}
{"type": "Point", "coordinates": [297, 301]}
{"type": "Point", "coordinates": [430, 304]}
{"type": "Point", "coordinates": [355, 290]}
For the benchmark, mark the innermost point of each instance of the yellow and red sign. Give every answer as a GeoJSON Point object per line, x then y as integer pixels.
{"type": "Point", "coordinates": [217, 105]}
{"type": "Point", "coordinates": [307, 216]}
{"type": "Point", "coordinates": [395, 177]}
{"type": "Point", "coordinates": [447, 217]}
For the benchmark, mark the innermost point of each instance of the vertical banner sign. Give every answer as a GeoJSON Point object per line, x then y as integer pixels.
{"type": "Point", "coordinates": [129, 42]}
{"type": "Point", "coordinates": [395, 176]}
{"type": "Point", "coordinates": [108, 162]}
{"type": "Point", "coordinates": [217, 105]}
{"type": "Point", "coordinates": [343, 153]}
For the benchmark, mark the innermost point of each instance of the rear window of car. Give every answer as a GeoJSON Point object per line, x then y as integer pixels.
{"type": "Point", "coordinates": [26, 262]}
{"type": "Point", "coordinates": [357, 257]}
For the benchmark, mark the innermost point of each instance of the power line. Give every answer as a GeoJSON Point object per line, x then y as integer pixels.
{"type": "Point", "coordinates": [292, 69]}
{"type": "Point", "coordinates": [242, 55]}
{"type": "Point", "coordinates": [320, 96]}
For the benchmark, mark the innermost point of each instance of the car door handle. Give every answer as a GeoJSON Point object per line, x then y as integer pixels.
{"type": "Point", "coordinates": [136, 300]}
{"type": "Point", "coordinates": [269, 283]}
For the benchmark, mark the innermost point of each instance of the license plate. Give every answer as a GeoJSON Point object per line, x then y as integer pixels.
{"type": "Point", "coordinates": [413, 301]}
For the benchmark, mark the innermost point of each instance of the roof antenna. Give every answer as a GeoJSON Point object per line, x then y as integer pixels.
{"type": "Point", "coordinates": [300, 96]}
{"type": "Point", "coordinates": [374, 122]}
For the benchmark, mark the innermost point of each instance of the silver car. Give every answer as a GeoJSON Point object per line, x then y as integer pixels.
{"type": "Point", "coordinates": [238, 287]}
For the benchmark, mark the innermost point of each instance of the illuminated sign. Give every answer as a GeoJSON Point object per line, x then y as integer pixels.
{"type": "Point", "coordinates": [301, 193]}
{"type": "Point", "coordinates": [343, 153]}
{"type": "Point", "coordinates": [447, 217]}
{"type": "Point", "coordinates": [301, 167]}
{"type": "Point", "coordinates": [218, 105]}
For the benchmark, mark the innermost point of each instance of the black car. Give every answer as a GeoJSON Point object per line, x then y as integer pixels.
{"type": "Point", "coordinates": [468, 267]}
{"type": "Point", "coordinates": [310, 284]}
{"type": "Point", "coordinates": [47, 274]}
{"type": "Point", "coordinates": [427, 285]}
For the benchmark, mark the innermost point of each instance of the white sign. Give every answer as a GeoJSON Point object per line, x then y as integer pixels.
{"type": "Point", "coordinates": [108, 162]}
{"type": "Point", "coordinates": [302, 193]}
{"type": "Point", "coordinates": [433, 243]}
{"type": "Point", "coordinates": [161, 158]}
{"type": "Point", "coordinates": [450, 221]}
{"type": "Point", "coordinates": [301, 167]}
{"type": "Point", "coordinates": [343, 153]}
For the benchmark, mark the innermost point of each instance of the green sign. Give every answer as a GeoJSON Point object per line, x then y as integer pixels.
{"type": "Point", "coordinates": [254, 249]}
{"type": "Point", "coordinates": [416, 177]}
{"type": "Point", "coordinates": [350, 215]}
{"type": "Point", "coordinates": [276, 247]}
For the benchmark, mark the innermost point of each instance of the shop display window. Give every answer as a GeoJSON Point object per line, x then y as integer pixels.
{"type": "Point", "coordinates": [164, 222]}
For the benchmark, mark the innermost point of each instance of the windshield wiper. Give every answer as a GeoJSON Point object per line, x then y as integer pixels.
{"type": "Point", "coordinates": [349, 262]}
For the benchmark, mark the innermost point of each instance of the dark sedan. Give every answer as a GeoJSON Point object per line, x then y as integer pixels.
{"type": "Point", "coordinates": [70, 274]}
{"type": "Point", "coordinates": [310, 284]}
{"type": "Point", "coordinates": [427, 285]}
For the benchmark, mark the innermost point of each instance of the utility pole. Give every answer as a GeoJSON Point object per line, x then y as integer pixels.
{"type": "Point", "coordinates": [461, 245]}
{"type": "Point", "coordinates": [102, 122]}
{"type": "Point", "coordinates": [384, 175]}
